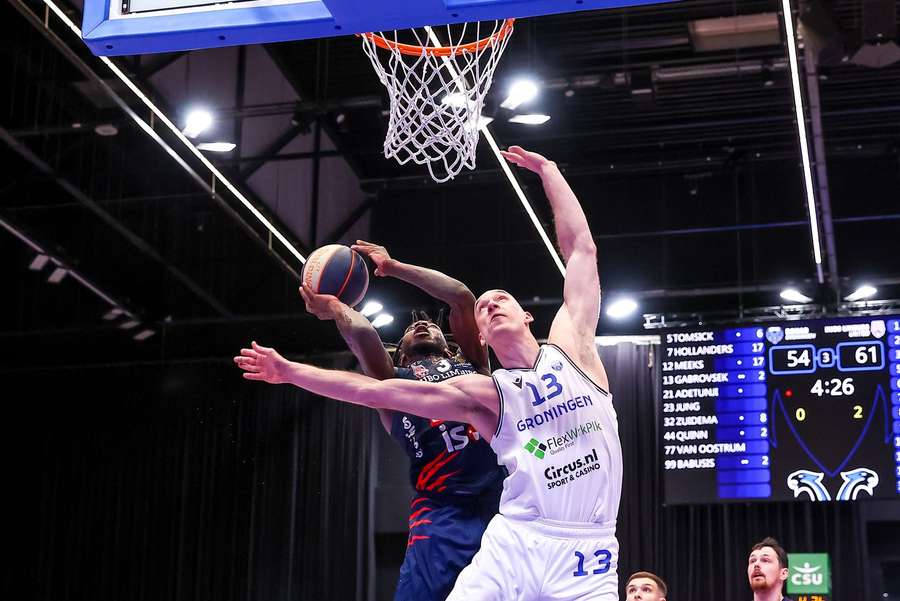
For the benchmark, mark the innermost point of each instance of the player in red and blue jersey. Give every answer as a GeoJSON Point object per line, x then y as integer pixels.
{"type": "Point", "coordinates": [453, 470]}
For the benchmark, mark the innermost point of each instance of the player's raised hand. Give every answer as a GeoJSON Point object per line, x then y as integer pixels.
{"type": "Point", "coordinates": [262, 363]}
{"type": "Point", "coordinates": [525, 158]}
{"type": "Point", "coordinates": [377, 253]}
{"type": "Point", "coordinates": [324, 306]}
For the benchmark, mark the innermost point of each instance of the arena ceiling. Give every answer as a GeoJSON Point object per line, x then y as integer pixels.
{"type": "Point", "coordinates": [682, 147]}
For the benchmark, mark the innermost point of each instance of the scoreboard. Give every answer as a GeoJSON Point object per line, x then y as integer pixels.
{"type": "Point", "coordinates": [795, 410]}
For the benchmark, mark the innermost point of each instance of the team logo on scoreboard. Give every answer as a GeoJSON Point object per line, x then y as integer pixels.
{"type": "Point", "coordinates": [809, 483]}
{"type": "Point", "coordinates": [862, 479]}
{"type": "Point", "coordinates": [774, 334]}
{"type": "Point", "coordinates": [878, 328]}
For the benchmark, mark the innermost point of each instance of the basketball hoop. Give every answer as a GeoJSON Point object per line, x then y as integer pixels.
{"type": "Point", "coordinates": [437, 90]}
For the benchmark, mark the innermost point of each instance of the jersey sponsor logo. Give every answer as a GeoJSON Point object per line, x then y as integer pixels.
{"type": "Point", "coordinates": [458, 437]}
{"type": "Point", "coordinates": [553, 412]}
{"type": "Point", "coordinates": [562, 441]}
{"type": "Point", "coordinates": [439, 371]}
{"type": "Point", "coordinates": [566, 474]}
{"type": "Point", "coordinates": [557, 365]}
{"type": "Point", "coordinates": [535, 447]}
{"type": "Point", "coordinates": [409, 431]}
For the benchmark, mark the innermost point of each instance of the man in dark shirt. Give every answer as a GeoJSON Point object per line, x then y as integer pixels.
{"type": "Point", "coordinates": [452, 468]}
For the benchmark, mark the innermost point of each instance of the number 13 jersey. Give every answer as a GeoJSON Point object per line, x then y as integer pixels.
{"type": "Point", "coordinates": [559, 440]}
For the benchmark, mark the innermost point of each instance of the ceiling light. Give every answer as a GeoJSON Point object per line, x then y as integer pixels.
{"type": "Point", "coordinates": [535, 119]}
{"type": "Point", "coordinates": [130, 324]}
{"type": "Point", "coordinates": [455, 99]}
{"type": "Point", "coordinates": [371, 308]}
{"type": "Point", "coordinates": [38, 262]}
{"type": "Point", "coordinates": [800, 122]}
{"type": "Point", "coordinates": [864, 291]}
{"type": "Point", "coordinates": [522, 90]}
{"type": "Point", "coordinates": [622, 308]}
{"type": "Point", "coordinates": [216, 146]}
{"type": "Point", "coordinates": [482, 121]}
{"type": "Point", "coordinates": [197, 122]}
{"type": "Point", "coordinates": [112, 313]}
{"type": "Point", "coordinates": [382, 320]}
{"type": "Point", "coordinates": [57, 276]}
{"type": "Point", "coordinates": [794, 296]}
{"type": "Point", "coordinates": [143, 335]}
{"type": "Point", "coordinates": [504, 165]}
{"type": "Point", "coordinates": [106, 130]}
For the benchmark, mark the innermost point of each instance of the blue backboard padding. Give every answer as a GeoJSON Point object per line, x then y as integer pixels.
{"type": "Point", "coordinates": [218, 26]}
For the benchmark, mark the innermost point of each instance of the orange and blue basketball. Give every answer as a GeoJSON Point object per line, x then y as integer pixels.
{"type": "Point", "coordinates": [337, 270]}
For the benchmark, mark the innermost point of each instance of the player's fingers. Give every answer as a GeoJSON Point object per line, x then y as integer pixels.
{"type": "Point", "coordinates": [252, 376]}
{"type": "Point", "coordinates": [517, 150]}
{"type": "Point", "coordinates": [512, 158]}
{"type": "Point", "coordinates": [260, 349]}
{"type": "Point", "coordinates": [249, 352]}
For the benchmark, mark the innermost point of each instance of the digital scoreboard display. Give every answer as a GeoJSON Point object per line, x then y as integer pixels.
{"type": "Point", "coordinates": [795, 410]}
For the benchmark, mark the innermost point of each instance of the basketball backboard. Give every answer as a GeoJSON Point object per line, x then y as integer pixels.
{"type": "Point", "coordinates": [118, 27]}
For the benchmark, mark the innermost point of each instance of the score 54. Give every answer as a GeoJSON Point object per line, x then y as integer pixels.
{"type": "Point", "coordinates": [806, 358]}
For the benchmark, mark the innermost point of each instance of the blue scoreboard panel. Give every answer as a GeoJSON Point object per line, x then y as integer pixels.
{"type": "Point", "coordinates": [796, 410]}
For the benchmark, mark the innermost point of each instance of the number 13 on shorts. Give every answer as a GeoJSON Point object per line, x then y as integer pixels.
{"type": "Point", "coordinates": [604, 562]}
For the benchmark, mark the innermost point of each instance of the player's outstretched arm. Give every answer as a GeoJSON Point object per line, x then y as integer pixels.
{"type": "Point", "coordinates": [440, 286]}
{"type": "Point", "coordinates": [471, 399]}
{"type": "Point", "coordinates": [357, 331]}
{"type": "Point", "coordinates": [575, 325]}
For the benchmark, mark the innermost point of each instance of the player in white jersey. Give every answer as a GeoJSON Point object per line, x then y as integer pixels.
{"type": "Point", "coordinates": [547, 415]}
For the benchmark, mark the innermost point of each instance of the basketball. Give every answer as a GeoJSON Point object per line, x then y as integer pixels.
{"type": "Point", "coordinates": [337, 270]}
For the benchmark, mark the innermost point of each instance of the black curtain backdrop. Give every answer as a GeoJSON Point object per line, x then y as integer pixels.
{"type": "Point", "coordinates": [187, 483]}
{"type": "Point", "coordinates": [182, 482]}
{"type": "Point", "coordinates": [701, 550]}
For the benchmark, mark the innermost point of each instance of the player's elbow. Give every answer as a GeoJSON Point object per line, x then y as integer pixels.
{"type": "Point", "coordinates": [460, 297]}
{"type": "Point", "coordinates": [585, 244]}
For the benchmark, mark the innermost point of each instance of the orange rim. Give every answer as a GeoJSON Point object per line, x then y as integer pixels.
{"type": "Point", "coordinates": [414, 50]}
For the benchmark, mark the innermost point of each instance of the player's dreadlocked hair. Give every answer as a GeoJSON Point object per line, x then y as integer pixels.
{"type": "Point", "coordinates": [422, 315]}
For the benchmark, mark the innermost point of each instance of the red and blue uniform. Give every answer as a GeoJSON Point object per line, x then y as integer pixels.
{"type": "Point", "coordinates": [458, 483]}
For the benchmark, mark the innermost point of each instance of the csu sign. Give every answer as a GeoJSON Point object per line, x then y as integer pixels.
{"type": "Point", "coordinates": [808, 573]}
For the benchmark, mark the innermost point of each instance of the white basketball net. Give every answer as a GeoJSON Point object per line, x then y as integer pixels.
{"type": "Point", "coordinates": [436, 95]}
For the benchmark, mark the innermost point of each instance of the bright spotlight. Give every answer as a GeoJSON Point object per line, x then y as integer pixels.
{"type": "Point", "coordinates": [864, 291]}
{"type": "Point", "coordinates": [522, 90]}
{"type": "Point", "coordinates": [216, 146]}
{"type": "Point", "coordinates": [536, 119]}
{"type": "Point", "coordinates": [371, 308]}
{"type": "Point", "coordinates": [143, 335]}
{"type": "Point", "coordinates": [57, 276]}
{"type": "Point", "coordinates": [622, 308]}
{"type": "Point", "coordinates": [794, 296]}
{"type": "Point", "coordinates": [455, 99]}
{"type": "Point", "coordinates": [480, 123]}
{"type": "Point", "coordinates": [382, 320]}
{"type": "Point", "coordinates": [38, 262]}
{"type": "Point", "coordinates": [112, 314]}
{"type": "Point", "coordinates": [197, 122]}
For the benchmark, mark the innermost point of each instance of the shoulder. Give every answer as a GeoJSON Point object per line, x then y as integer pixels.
{"type": "Point", "coordinates": [587, 364]}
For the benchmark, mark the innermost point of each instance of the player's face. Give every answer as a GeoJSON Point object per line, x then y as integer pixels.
{"type": "Point", "coordinates": [643, 589]}
{"type": "Point", "coordinates": [764, 571]}
{"type": "Point", "coordinates": [423, 338]}
{"type": "Point", "coordinates": [497, 312]}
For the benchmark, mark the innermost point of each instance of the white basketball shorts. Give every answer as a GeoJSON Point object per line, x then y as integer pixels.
{"type": "Point", "coordinates": [532, 560]}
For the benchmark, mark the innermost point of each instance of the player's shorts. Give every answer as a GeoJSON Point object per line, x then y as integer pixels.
{"type": "Point", "coordinates": [540, 559]}
{"type": "Point", "coordinates": [443, 538]}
